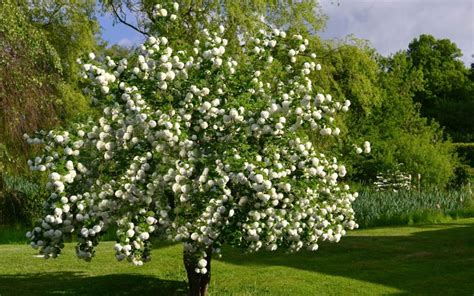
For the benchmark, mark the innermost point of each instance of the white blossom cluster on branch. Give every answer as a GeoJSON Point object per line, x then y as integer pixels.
{"type": "Point", "coordinates": [205, 146]}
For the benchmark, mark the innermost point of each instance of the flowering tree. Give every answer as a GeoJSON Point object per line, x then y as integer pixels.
{"type": "Point", "coordinates": [201, 147]}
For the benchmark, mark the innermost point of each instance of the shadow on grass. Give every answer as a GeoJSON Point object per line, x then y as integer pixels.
{"type": "Point", "coordinates": [73, 283]}
{"type": "Point", "coordinates": [433, 262]}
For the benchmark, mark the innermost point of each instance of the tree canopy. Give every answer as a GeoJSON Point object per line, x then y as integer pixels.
{"type": "Point", "coordinates": [447, 95]}
{"type": "Point", "coordinates": [238, 17]}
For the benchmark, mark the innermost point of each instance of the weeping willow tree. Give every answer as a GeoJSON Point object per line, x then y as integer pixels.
{"type": "Point", "coordinates": [70, 26]}
{"type": "Point", "coordinates": [29, 70]}
{"type": "Point", "coordinates": [29, 67]}
{"type": "Point", "coordinates": [40, 41]}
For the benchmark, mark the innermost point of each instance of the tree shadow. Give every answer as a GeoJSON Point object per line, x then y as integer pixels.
{"type": "Point", "coordinates": [432, 262]}
{"type": "Point", "coordinates": [76, 283]}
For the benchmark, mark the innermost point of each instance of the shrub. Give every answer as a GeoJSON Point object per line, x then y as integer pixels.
{"type": "Point", "coordinates": [207, 146]}
{"type": "Point", "coordinates": [21, 198]}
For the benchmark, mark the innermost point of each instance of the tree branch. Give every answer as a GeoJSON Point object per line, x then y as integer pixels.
{"type": "Point", "coordinates": [123, 21]}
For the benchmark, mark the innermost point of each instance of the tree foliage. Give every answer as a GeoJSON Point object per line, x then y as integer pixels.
{"type": "Point", "coordinates": [29, 68]}
{"type": "Point", "coordinates": [70, 27]}
{"type": "Point", "coordinates": [382, 92]}
{"type": "Point", "coordinates": [39, 44]}
{"type": "Point", "coordinates": [238, 17]}
{"type": "Point", "coordinates": [447, 95]}
{"type": "Point", "coordinates": [386, 93]}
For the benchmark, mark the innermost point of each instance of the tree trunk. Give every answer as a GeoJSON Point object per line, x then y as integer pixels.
{"type": "Point", "coordinates": [198, 282]}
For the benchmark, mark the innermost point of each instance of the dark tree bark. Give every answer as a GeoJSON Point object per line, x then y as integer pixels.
{"type": "Point", "coordinates": [198, 283]}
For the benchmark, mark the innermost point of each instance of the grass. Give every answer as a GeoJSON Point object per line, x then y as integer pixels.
{"type": "Point", "coordinates": [409, 260]}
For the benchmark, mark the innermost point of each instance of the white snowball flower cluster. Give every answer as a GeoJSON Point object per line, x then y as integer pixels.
{"type": "Point", "coordinates": [160, 11]}
{"type": "Point", "coordinates": [367, 148]}
{"type": "Point", "coordinates": [206, 147]}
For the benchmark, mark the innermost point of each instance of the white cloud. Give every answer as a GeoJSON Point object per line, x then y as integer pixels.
{"type": "Point", "coordinates": [390, 25]}
{"type": "Point", "coordinates": [125, 42]}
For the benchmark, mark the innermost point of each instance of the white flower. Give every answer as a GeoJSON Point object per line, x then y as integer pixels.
{"type": "Point", "coordinates": [91, 56]}
{"type": "Point", "coordinates": [79, 217]}
{"type": "Point", "coordinates": [59, 186]}
{"type": "Point", "coordinates": [150, 220]}
{"type": "Point", "coordinates": [259, 178]}
{"type": "Point", "coordinates": [59, 139]}
{"type": "Point", "coordinates": [69, 165]}
{"type": "Point", "coordinates": [152, 40]}
{"type": "Point", "coordinates": [58, 211]}
{"type": "Point", "coordinates": [326, 131]}
{"type": "Point", "coordinates": [54, 176]}
{"type": "Point", "coordinates": [130, 233]}
{"type": "Point", "coordinates": [202, 263]}
{"type": "Point", "coordinates": [144, 236]}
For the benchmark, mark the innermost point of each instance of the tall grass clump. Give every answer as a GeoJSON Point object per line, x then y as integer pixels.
{"type": "Point", "coordinates": [404, 207]}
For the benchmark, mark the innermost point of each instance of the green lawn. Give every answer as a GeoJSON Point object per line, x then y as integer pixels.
{"type": "Point", "coordinates": [415, 260]}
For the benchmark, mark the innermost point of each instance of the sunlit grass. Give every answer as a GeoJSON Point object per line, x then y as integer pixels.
{"type": "Point", "coordinates": [429, 260]}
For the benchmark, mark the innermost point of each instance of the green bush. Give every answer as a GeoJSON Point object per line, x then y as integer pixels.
{"type": "Point", "coordinates": [21, 199]}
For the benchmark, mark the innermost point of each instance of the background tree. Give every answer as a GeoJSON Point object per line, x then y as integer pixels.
{"type": "Point", "coordinates": [407, 138]}
{"type": "Point", "coordinates": [29, 70]}
{"type": "Point", "coordinates": [71, 27]}
{"type": "Point", "coordinates": [382, 93]}
{"type": "Point", "coordinates": [39, 44]}
{"type": "Point", "coordinates": [447, 95]}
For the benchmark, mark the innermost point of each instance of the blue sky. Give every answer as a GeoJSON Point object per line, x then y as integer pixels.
{"type": "Point", "coordinates": [118, 33]}
{"type": "Point", "coordinates": [389, 25]}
